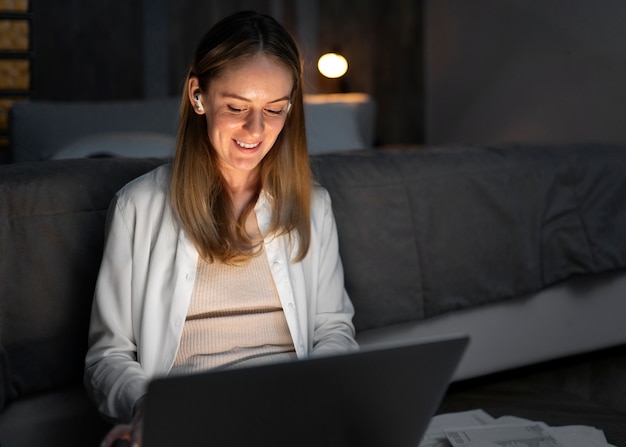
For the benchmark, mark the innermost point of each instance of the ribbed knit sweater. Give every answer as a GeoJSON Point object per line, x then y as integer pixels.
{"type": "Point", "coordinates": [235, 318]}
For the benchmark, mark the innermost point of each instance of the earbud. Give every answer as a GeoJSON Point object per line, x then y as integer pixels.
{"type": "Point", "coordinates": [289, 107]}
{"type": "Point", "coordinates": [196, 97]}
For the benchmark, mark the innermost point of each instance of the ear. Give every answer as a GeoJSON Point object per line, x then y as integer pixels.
{"type": "Point", "coordinates": [195, 95]}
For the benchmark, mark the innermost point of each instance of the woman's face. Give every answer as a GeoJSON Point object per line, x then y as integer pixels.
{"type": "Point", "coordinates": [246, 108]}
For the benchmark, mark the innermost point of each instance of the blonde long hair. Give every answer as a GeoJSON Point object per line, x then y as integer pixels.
{"type": "Point", "coordinates": [198, 194]}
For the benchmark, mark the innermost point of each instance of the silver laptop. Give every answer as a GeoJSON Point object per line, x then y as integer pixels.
{"type": "Point", "coordinates": [383, 396]}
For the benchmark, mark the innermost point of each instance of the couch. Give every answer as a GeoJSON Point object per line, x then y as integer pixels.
{"type": "Point", "coordinates": [521, 247]}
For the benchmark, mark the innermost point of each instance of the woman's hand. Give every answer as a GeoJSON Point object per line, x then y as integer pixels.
{"type": "Point", "coordinates": [132, 433]}
{"type": "Point", "coordinates": [118, 436]}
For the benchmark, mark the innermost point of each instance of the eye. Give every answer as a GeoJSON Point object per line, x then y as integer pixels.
{"type": "Point", "coordinates": [274, 112]}
{"type": "Point", "coordinates": [234, 109]}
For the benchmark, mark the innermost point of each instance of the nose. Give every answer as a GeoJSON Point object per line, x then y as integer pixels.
{"type": "Point", "coordinates": [254, 123]}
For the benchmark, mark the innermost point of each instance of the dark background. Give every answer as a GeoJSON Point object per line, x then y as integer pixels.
{"type": "Point", "coordinates": [440, 70]}
{"type": "Point", "coordinates": [130, 49]}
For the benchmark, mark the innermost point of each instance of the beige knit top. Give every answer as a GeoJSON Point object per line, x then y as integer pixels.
{"type": "Point", "coordinates": [235, 318]}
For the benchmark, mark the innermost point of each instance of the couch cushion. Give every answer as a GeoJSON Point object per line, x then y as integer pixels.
{"type": "Point", "coordinates": [432, 230]}
{"type": "Point", "coordinates": [52, 229]}
{"type": "Point", "coordinates": [376, 237]}
{"type": "Point", "coordinates": [64, 417]}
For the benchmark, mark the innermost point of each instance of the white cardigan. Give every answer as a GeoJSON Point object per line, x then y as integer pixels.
{"type": "Point", "coordinates": [146, 279]}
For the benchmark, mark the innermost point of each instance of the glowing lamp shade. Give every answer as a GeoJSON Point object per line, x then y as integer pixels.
{"type": "Point", "coordinates": [332, 65]}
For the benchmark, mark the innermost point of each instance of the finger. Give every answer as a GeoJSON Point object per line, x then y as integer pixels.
{"type": "Point", "coordinates": [121, 431]}
{"type": "Point", "coordinates": [137, 434]}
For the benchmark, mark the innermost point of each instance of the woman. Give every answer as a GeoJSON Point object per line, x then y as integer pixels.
{"type": "Point", "coordinates": [228, 257]}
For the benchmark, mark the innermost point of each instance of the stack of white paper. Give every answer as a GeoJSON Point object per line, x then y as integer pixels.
{"type": "Point", "coordinates": [476, 428]}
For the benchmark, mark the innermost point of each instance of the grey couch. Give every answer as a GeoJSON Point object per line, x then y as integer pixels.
{"type": "Point", "coordinates": [425, 233]}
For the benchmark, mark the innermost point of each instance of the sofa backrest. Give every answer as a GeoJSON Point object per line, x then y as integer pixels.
{"type": "Point", "coordinates": [51, 236]}
{"type": "Point", "coordinates": [421, 232]}
{"type": "Point", "coordinates": [432, 230]}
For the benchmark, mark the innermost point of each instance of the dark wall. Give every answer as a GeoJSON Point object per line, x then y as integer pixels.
{"type": "Point", "coordinates": [383, 42]}
{"type": "Point", "coordinates": [188, 21]}
{"type": "Point", "coordinates": [87, 50]}
{"type": "Point", "coordinates": [132, 49]}
{"type": "Point", "coordinates": [440, 70]}
{"type": "Point", "coordinates": [525, 71]}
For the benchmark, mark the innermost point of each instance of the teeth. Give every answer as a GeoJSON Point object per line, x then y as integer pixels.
{"type": "Point", "coordinates": [247, 146]}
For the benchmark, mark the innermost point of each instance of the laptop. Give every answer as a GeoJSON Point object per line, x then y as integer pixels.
{"type": "Point", "coordinates": [381, 396]}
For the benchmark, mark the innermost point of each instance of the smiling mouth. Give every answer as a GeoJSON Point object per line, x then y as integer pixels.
{"type": "Point", "coordinates": [246, 145]}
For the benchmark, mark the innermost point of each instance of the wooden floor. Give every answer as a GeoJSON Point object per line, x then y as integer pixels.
{"type": "Point", "coordinates": [586, 390]}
